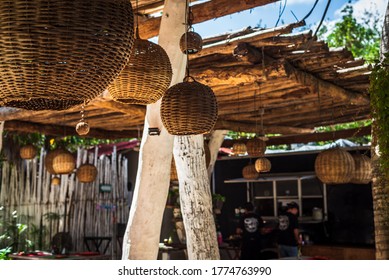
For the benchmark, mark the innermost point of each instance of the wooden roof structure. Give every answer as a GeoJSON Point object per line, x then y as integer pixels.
{"type": "Point", "coordinates": [288, 80]}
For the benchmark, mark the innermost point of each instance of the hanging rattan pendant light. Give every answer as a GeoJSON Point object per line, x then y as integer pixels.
{"type": "Point", "coordinates": [189, 108]}
{"type": "Point", "coordinates": [61, 50]}
{"type": "Point", "coordinates": [147, 75]}
{"type": "Point", "coordinates": [60, 161]}
{"type": "Point", "coordinates": [28, 151]}
{"type": "Point", "coordinates": [239, 148]}
{"type": "Point", "coordinates": [190, 42]}
{"type": "Point", "coordinates": [86, 173]}
{"type": "Point", "coordinates": [249, 172]}
{"type": "Point", "coordinates": [262, 164]}
{"type": "Point", "coordinates": [334, 166]}
{"type": "Point", "coordinates": [39, 104]}
{"type": "Point", "coordinates": [363, 172]}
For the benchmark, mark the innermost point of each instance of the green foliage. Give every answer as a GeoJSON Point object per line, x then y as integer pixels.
{"type": "Point", "coordinates": [218, 197]}
{"type": "Point", "coordinates": [379, 96]}
{"type": "Point", "coordinates": [362, 39]}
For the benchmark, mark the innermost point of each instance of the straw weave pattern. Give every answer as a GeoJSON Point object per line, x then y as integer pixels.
{"type": "Point", "coordinates": [362, 173]}
{"type": "Point", "coordinates": [39, 104]}
{"type": "Point", "coordinates": [189, 108]}
{"type": "Point", "coordinates": [28, 151]}
{"type": "Point", "coordinates": [62, 49]}
{"type": "Point", "coordinates": [262, 165]}
{"type": "Point", "coordinates": [334, 166]}
{"type": "Point", "coordinates": [249, 172]}
{"type": "Point", "coordinates": [145, 78]}
{"type": "Point", "coordinates": [256, 147]}
{"type": "Point", "coordinates": [191, 43]}
{"type": "Point", "coordinates": [86, 173]}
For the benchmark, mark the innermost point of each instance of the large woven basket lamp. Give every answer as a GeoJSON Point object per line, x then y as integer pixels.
{"type": "Point", "coordinates": [262, 164]}
{"type": "Point", "coordinates": [189, 108]}
{"type": "Point", "coordinates": [249, 172]}
{"type": "Point", "coordinates": [65, 51]}
{"type": "Point", "coordinates": [60, 161]}
{"type": "Point", "coordinates": [334, 166]}
{"type": "Point", "coordinates": [86, 173]}
{"type": "Point", "coordinates": [363, 172]}
{"type": "Point", "coordinates": [256, 147]}
{"type": "Point", "coordinates": [239, 148]}
{"type": "Point", "coordinates": [146, 77]}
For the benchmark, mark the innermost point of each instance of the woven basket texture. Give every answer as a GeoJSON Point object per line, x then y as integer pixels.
{"type": "Point", "coordinates": [86, 173]}
{"type": "Point", "coordinates": [28, 151]}
{"type": "Point", "coordinates": [189, 108]}
{"type": "Point", "coordinates": [239, 148]}
{"type": "Point", "coordinates": [146, 77]}
{"type": "Point", "coordinates": [191, 43]}
{"type": "Point", "coordinates": [59, 161]}
{"type": "Point", "coordinates": [249, 172]}
{"type": "Point", "coordinates": [62, 49]}
{"type": "Point", "coordinates": [334, 166]}
{"type": "Point", "coordinates": [362, 173]}
{"type": "Point", "coordinates": [256, 147]}
{"type": "Point", "coordinates": [262, 164]}
{"type": "Point", "coordinates": [39, 104]}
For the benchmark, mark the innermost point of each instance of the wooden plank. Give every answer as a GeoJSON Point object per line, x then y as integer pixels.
{"type": "Point", "coordinates": [203, 12]}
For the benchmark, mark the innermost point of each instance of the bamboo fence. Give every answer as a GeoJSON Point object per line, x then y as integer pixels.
{"type": "Point", "coordinates": [78, 208]}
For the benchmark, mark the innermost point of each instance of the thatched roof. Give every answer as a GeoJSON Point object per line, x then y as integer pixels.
{"type": "Point", "coordinates": [299, 82]}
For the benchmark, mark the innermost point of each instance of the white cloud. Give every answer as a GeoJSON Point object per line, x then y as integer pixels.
{"type": "Point", "coordinates": [292, 2]}
{"type": "Point", "coordinates": [377, 7]}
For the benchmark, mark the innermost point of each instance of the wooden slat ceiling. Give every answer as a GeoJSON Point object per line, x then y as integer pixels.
{"type": "Point", "coordinates": [297, 80]}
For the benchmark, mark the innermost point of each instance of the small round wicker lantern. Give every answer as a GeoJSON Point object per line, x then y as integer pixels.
{"type": "Point", "coordinates": [262, 164]}
{"type": "Point", "coordinates": [189, 108]}
{"type": "Point", "coordinates": [69, 50]}
{"type": "Point", "coordinates": [239, 148]}
{"type": "Point", "coordinates": [28, 151]}
{"type": "Point", "coordinates": [363, 172]}
{"type": "Point", "coordinates": [49, 160]}
{"type": "Point", "coordinates": [256, 147]}
{"type": "Point", "coordinates": [86, 173]}
{"type": "Point", "coordinates": [146, 77]}
{"type": "Point", "coordinates": [191, 43]}
{"type": "Point", "coordinates": [334, 166]}
{"type": "Point", "coordinates": [249, 172]}
{"type": "Point", "coordinates": [82, 128]}
{"type": "Point", "coordinates": [56, 181]}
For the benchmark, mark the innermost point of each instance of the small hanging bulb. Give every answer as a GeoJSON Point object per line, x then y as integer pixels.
{"type": "Point", "coordinates": [82, 126]}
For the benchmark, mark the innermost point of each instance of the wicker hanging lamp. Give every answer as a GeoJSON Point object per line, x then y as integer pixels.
{"type": "Point", "coordinates": [239, 148]}
{"type": "Point", "coordinates": [68, 51]}
{"type": "Point", "coordinates": [60, 161]}
{"type": "Point", "coordinates": [86, 173]}
{"type": "Point", "coordinates": [363, 172]}
{"type": "Point", "coordinates": [189, 108]}
{"type": "Point", "coordinates": [82, 127]}
{"type": "Point", "coordinates": [146, 77]}
{"type": "Point", "coordinates": [28, 151]}
{"type": "Point", "coordinates": [334, 166]}
{"type": "Point", "coordinates": [249, 172]}
{"type": "Point", "coordinates": [262, 164]}
{"type": "Point", "coordinates": [190, 42]}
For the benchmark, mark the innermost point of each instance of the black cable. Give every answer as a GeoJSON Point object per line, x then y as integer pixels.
{"type": "Point", "coordinates": [322, 19]}
{"type": "Point", "coordinates": [281, 12]}
{"type": "Point", "coordinates": [310, 12]}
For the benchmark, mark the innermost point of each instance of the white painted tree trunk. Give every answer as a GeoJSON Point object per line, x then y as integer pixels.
{"type": "Point", "coordinates": [195, 198]}
{"type": "Point", "coordinates": [141, 240]}
{"type": "Point", "coordinates": [215, 142]}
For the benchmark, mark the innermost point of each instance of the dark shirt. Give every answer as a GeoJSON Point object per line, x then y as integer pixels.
{"type": "Point", "coordinates": [287, 223]}
{"type": "Point", "coordinates": [251, 224]}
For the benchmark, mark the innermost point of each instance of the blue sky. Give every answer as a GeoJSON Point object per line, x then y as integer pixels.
{"type": "Point", "coordinates": [267, 15]}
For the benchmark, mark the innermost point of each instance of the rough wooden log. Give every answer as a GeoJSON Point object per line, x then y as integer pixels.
{"type": "Point", "coordinates": [203, 12]}
{"type": "Point", "coordinates": [128, 109]}
{"type": "Point", "coordinates": [56, 130]}
{"type": "Point", "coordinates": [311, 137]}
{"type": "Point", "coordinates": [245, 127]}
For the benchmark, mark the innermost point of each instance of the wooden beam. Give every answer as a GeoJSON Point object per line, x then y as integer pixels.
{"type": "Point", "coordinates": [128, 109]}
{"type": "Point", "coordinates": [312, 137]}
{"type": "Point", "coordinates": [248, 127]}
{"type": "Point", "coordinates": [56, 130]}
{"type": "Point", "coordinates": [203, 12]}
{"type": "Point", "coordinates": [323, 87]}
